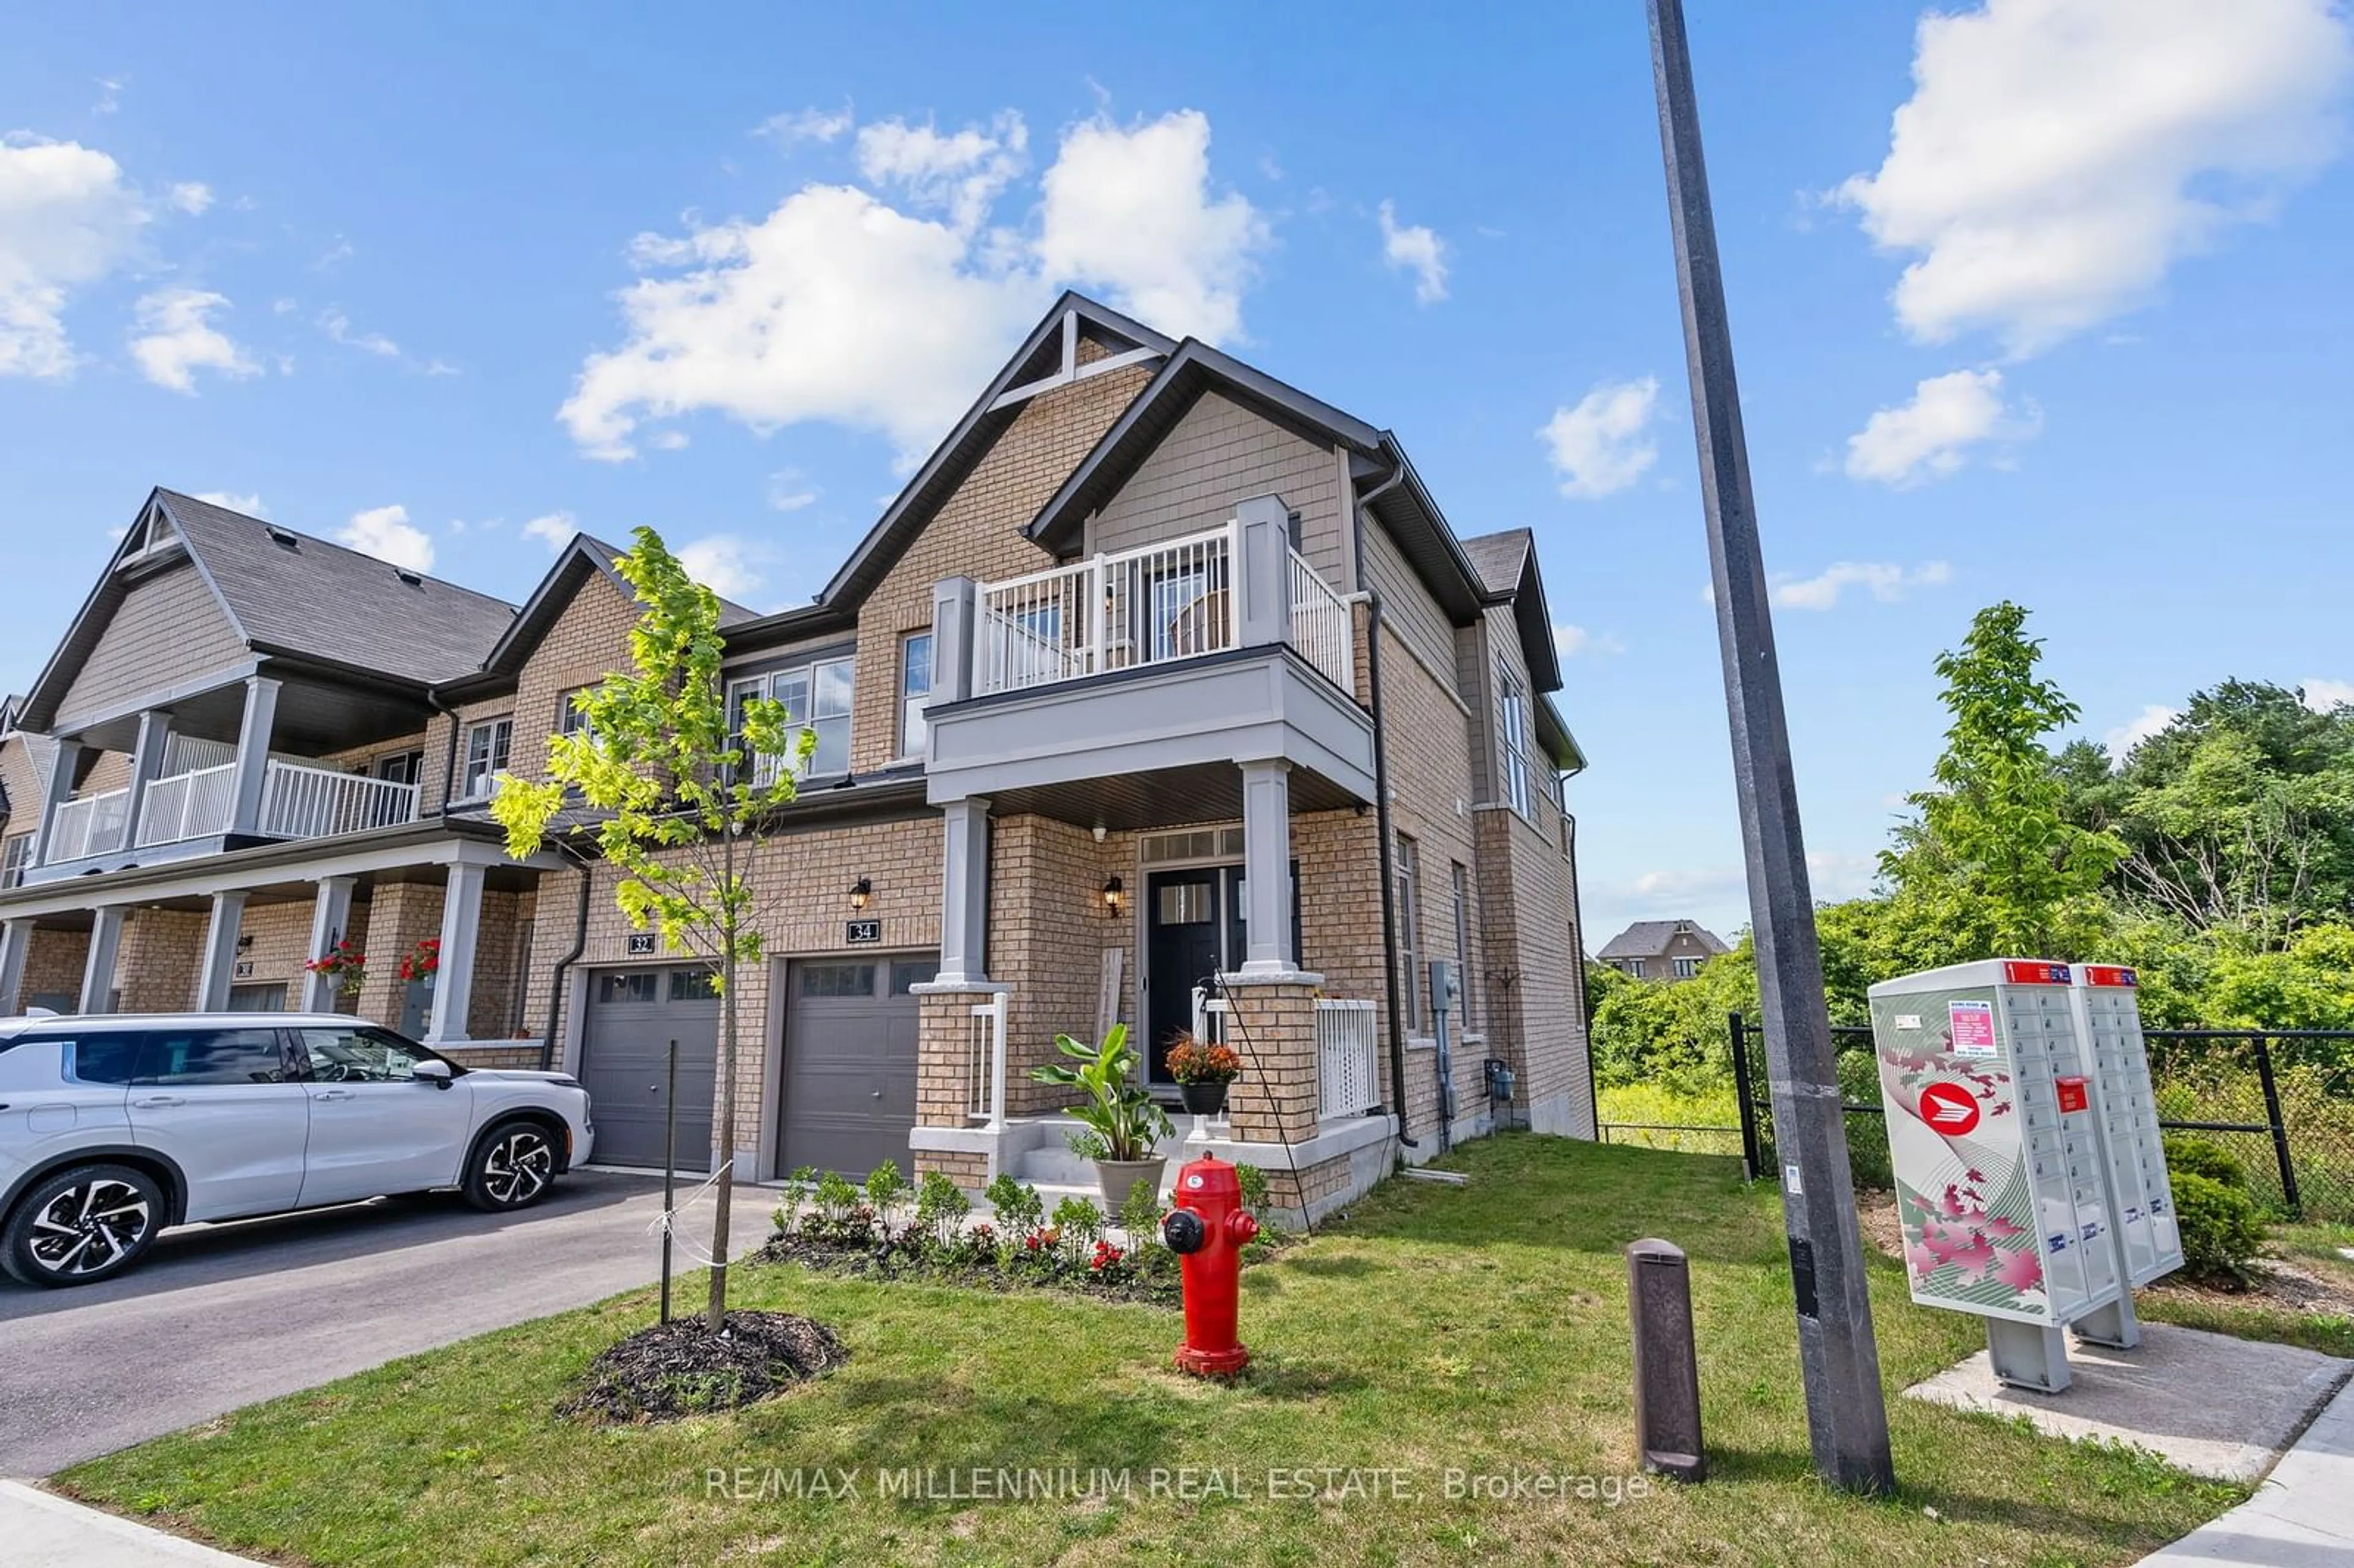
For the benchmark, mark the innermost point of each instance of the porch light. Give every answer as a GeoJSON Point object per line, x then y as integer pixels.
{"type": "Point", "coordinates": [859, 891]}
{"type": "Point", "coordinates": [1111, 896]}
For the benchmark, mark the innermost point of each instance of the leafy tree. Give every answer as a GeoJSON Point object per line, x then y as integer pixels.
{"type": "Point", "coordinates": [1991, 857]}
{"type": "Point", "coordinates": [674, 806]}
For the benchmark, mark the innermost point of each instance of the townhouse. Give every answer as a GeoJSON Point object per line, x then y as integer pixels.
{"type": "Point", "coordinates": [1163, 692]}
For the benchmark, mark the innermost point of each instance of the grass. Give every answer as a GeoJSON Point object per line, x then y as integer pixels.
{"type": "Point", "coordinates": [1479, 1328]}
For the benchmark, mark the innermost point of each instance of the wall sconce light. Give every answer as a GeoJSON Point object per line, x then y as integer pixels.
{"type": "Point", "coordinates": [1112, 894]}
{"type": "Point", "coordinates": [245, 943]}
{"type": "Point", "coordinates": [859, 891]}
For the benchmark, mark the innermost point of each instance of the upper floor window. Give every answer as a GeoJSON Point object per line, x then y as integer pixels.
{"type": "Point", "coordinates": [1514, 703]}
{"type": "Point", "coordinates": [915, 691]}
{"type": "Point", "coordinates": [815, 695]}
{"type": "Point", "coordinates": [487, 746]}
{"type": "Point", "coordinates": [1686, 968]}
{"type": "Point", "coordinates": [1635, 968]}
{"type": "Point", "coordinates": [14, 854]}
{"type": "Point", "coordinates": [571, 718]}
{"type": "Point", "coordinates": [400, 767]}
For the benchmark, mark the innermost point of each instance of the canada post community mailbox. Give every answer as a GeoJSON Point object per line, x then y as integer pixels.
{"type": "Point", "coordinates": [1992, 1108]}
{"type": "Point", "coordinates": [2108, 1023]}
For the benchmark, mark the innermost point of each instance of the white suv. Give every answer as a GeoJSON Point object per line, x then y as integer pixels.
{"type": "Point", "coordinates": [112, 1127]}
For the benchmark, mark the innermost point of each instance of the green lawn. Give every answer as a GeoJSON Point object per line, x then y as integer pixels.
{"type": "Point", "coordinates": [1478, 1328]}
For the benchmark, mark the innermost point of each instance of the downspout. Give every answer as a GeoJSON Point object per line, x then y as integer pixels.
{"type": "Point", "coordinates": [450, 759]}
{"type": "Point", "coordinates": [1585, 1005]}
{"type": "Point", "coordinates": [1382, 807]}
{"type": "Point", "coordinates": [564, 965]}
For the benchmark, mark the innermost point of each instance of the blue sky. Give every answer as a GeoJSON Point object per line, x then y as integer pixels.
{"type": "Point", "coordinates": [2045, 300]}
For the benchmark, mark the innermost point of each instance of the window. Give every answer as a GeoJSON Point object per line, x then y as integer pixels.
{"type": "Point", "coordinates": [915, 690]}
{"type": "Point", "coordinates": [487, 746]}
{"type": "Point", "coordinates": [838, 980]}
{"type": "Point", "coordinates": [107, 1058]}
{"type": "Point", "coordinates": [571, 718]}
{"type": "Point", "coordinates": [361, 1056]}
{"type": "Point", "coordinates": [1183, 903]}
{"type": "Point", "coordinates": [1686, 968]}
{"type": "Point", "coordinates": [1462, 888]}
{"type": "Point", "coordinates": [1635, 968]}
{"type": "Point", "coordinates": [628, 986]}
{"type": "Point", "coordinates": [270, 998]}
{"type": "Point", "coordinates": [13, 856]}
{"type": "Point", "coordinates": [907, 974]}
{"type": "Point", "coordinates": [816, 696]}
{"type": "Point", "coordinates": [1512, 700]}
{"type": "Point", "coordinates": [693, 985]}
{"type": "Point", "coordinates": [402, 768]}
{"type": "Point", "coordinates": [197, 1057]}
{"type": "Point", "coordinates": [1409, 927]}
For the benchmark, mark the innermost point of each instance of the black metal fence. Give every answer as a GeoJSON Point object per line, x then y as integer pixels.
{"type": "Point", "coordinates": [2281, 1100]}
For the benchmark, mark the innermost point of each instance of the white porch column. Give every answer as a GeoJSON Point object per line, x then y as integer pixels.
{"type": "Point", "coordinates": [1265, 571]}
{"type": "Point", "coordinates": [253, 733]}
{"type": "Point", "coordinates": [64, 762]}
{"type": "Point", "coordinates": [98, 969]}
{"type": "Point", "coordinates": [219, 960]}
{"type": "Point", "coordinates": [15, 942]}
{"type": "Point", "coordinates": [461, 924]}
{"type": "Point", "coordinates": [1266, 866]}
{"type": "Point", "coordinates": [331, 916]}
{"type": "Point", "coordinates": [964, 891]}
{"type": "Point", "coordinates": [146, 763]}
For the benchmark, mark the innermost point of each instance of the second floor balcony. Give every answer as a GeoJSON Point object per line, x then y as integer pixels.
{"type": "Point", "coordinates": [198, 810]}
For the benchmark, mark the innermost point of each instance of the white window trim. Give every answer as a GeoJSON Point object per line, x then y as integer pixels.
{"type": "Point", "coordinates": [466, 792]}
{"type": "Point", "coordinates": [917, 752]}
{"type": "Point", "coordinates": [1685, 968]}
{"type": "Point", "coordinates": [764, 685]}
{"type": "Point", "coordinates": [1512, 742]}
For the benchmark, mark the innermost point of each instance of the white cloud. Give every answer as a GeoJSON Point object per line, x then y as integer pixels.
{"type": "Point", "coordinates": [727, 563]}
{"type": "Point", "coordinates": [248, 503]}
{"type": "Point", "coordinates": [173, 338]}
{"type": "Point", "coordinates": [338, 327]}
{"type": "Point", "coordinates": [804, 126]}
{"type": "Point", "coordinates": [1570, 641]}
{"type": "Point", "coordinates": [1603, 445]}
{"type": "Point", "coordinates": [67, 218]}
{"type": "Point", "coordinates": [110, 96]}
{"type": "Point", "coordinates": [839, 306]}
{"type": "Point", "coordinates": [192, 196]}
{"type": "Point", "coordinates": [788, 491]}
{"type": "Point", "coordinates": [1932, 436]}
{"type": "Point", "coordinates": [961, 175]}
{"type": "Point", "coordinates": [1412, 247]}
{"type": "Point", "coordinates": [1885, 581]}
{"type": "Point", "coordinates": [671, 440]}
{"type": "Point", "coordinates": [2322, 694]}
{"type": "Point", "coordinates": [2141, 727]}
{"type": "Point", "coordinates": [553, 529]}
{"type": "Point", "coordinates": [2057, 156]}
{"type": "Point", "coordinates": [386, 533]}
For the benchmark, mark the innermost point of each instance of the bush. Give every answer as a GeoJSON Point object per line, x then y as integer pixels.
{"type": "Point", "coordinates": [1867, 1135]}
{"type": "Point", "coordinates": [940, 1208]}
{"type": "Point", "coordinates": [1252, 1182]}
{"type": "Point", "coordinates": [2221, 1232]}
{"type": "Point", "coordinates": [1079, 1222]}
{"type": "Point", "coordinates": [1019, 1210]}
{"type": "Point", "coordinates": [2205, 1157]}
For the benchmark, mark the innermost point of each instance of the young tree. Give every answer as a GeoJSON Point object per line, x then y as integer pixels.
{"type": "Point", "coordinates": [1991, 852]}
{"type": "Point", "coordinates": [678, 790]}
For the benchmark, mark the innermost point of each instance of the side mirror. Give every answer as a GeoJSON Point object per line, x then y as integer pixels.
{"type": "Point", "coordinates": [432, 1072]}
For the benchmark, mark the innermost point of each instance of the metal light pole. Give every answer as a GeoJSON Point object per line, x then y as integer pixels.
{"type": "Point", "coordinates": [1836, 1356]}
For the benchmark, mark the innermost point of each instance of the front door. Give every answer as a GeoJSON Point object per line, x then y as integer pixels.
{"type": "Point", "coordinates": [376, 1126]}
{"type": "Point", "coordinates": [1185, 944]}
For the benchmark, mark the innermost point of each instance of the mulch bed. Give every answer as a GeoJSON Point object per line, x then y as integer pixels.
{"type": "Point", "coordinates": [680, 1369]}
{"type": "Point", "coordinates": [913, 1265]}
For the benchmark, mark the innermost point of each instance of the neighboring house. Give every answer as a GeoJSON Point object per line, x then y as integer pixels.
{"type": "Point", "coordinates": [1661, 950]}
{"type": "Point", "coordinates": [1105, 704]}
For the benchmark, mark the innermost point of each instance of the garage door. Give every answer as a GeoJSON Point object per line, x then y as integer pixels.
{"type": "Point", "coordinates": [632, 1018]}
{"type": "Point", "coordinates": [850, 1062]}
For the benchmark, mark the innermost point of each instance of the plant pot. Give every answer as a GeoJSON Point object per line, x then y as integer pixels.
{"type": "Point", "coordinates": [1116, 1178]}
{"type": "Point", "coordinates": [1204, 1099]}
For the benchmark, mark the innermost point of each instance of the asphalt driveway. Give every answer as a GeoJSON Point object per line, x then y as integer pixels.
{"type": "Point", "coordinates": [220, 1316]}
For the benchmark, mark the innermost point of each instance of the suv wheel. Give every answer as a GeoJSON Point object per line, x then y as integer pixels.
{"type": "Point", "coordinates": [81, 1226]}
{"type": "Point", "coordinates": [512, 1169]}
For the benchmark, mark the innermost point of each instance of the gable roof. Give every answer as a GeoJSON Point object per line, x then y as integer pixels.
{"type": "Point", "coordinates": [1406, 508]}
{"type": "Point", "coordinates": [1649, 938]}
{"type": "Point", "coordinates": [585, 556]}
{"type": "Point", "coordinates": [1507, 565]}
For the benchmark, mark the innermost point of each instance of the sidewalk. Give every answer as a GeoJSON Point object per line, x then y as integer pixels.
{"type": "Point", "coordinates": [46, 1531]}
{"type": "Point", "coordinates": [2301, 1517]}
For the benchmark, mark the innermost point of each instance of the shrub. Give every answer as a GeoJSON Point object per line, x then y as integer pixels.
{"type": "Point", "coordinates": [1252, 1183]}
{"type": "Point", "coordinates": [2205, 1157]}
{"type": "Point", "coordinates": [797, 1195]}
{"type": "Point", "coordinates": [1079, 1222]}
{"type": "Point", "coordinates": [1867, 1135]}
{"type": "Point", "coordinates": [885, 1188]}
{"type": "Point", "coordinates": [940, 1208]}
{"type": "Point", "coordinates": [1140, 1217]}
{"type": "Point", "coordinates": [2221, 1232]}
{"type": "Point", "coordinates": [1019, 1212]}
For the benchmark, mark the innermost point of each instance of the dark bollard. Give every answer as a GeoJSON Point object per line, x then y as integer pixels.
{"type": "Point", "coordinates": [1666, 1373]}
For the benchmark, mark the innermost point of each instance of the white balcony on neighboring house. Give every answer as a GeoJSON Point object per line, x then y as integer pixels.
{"type": "Point", "coordinates": [304, 802]}
{"type": "Point", "coordinates": [194, 811]}
{"type": "Point", "coordinates": [1189, 654]}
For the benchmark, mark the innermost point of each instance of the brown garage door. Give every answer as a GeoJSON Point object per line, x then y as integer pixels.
{"type": "Point", "coordinates": [850, 1060]}
{"type": "Point", "coordinates": [632, 1018]}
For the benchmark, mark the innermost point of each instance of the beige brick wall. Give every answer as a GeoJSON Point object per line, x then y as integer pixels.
{"type": "Point", "coordinates": [1047, 936]}
{"type": "Point", "coordinates": [155, 966]}
{"type": "Point", "coordinates": [1538, 1021]}
{"type": "Point", "coordinates": [54, 961]}
{"type": "Point", "coordinates": [977, 534]}
{"type": "Point", "coordinates": [590, 639]}
{"type": "Point", "coordinates": [1275, 1100]}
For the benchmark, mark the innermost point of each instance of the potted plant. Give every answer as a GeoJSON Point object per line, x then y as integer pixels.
{"type": "Point", "coordinates": [1202, 1071]}
{"type": "Point", "coordinates": [347, 962]}
{"type": "Point", "coordinates": [1123, 1124]}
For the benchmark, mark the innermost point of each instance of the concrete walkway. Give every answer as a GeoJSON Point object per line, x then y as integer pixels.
{"type": "Point", "coordinates": [2301, 1517]}
{"type": "Point", "coordinates": [45, 1531]}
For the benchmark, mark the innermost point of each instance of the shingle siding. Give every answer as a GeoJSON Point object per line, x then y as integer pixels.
{"type": "Point", "coordinates": [1220, 454]}
{"type": "Point", "coordinates": [167, 629]}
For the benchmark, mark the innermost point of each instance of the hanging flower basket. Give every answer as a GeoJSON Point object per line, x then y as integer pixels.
{"type": "Point", "coordinates": [347, 962]}
{"type": "Point", "coordinates": [421, 960]}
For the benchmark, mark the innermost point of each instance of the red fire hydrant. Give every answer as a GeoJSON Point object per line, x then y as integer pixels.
{"type": "Point", "coordinates": [1209, 1229]}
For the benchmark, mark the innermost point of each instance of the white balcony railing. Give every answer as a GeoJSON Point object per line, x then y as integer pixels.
{"type": "Point", "coordinates": [1321, 626]}
{"type": "Point", "coordinates": [88, 824]}
{"type": "Point", "coordinates": [986, 1062]}
{"type": "Point", "coordinates": [1150, 606]}
{"type": "Point", "coordinates": [1348, 1069]}
{"type": "Point", "coordinates": [299, 802]}
{"type": "Point", "coordinates": [188, 805]}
